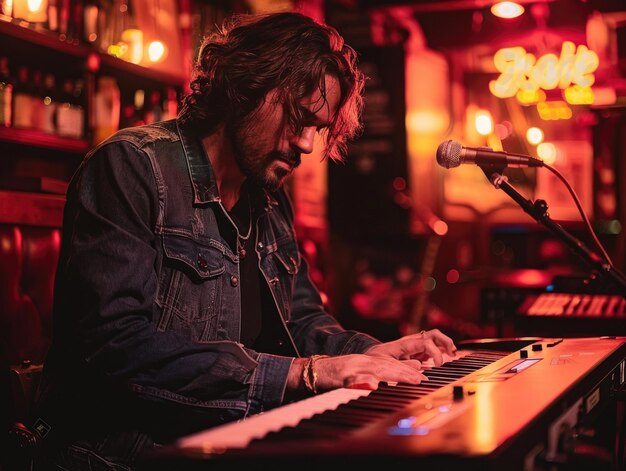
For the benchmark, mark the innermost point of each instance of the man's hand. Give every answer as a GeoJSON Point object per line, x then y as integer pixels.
{"type": "Point", "coordinates": [398, 361]}
{"type": "Point", "coordinates": [427, 344]}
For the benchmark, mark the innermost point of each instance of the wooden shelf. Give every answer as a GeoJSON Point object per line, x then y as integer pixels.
{"type": "Point", "coordinates": [24, 31]}
{"type": "Point", "coordinates": [33, 138]}
{"type": "Point", "coordinates": [122, 66]}
{"type": "Point", "coordinates": [41, 37]}
{"type": "Point", "coordinates": [33, 209]}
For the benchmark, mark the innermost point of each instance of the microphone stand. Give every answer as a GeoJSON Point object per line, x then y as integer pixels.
{"type": "Point", "coordinates": [539, 211]}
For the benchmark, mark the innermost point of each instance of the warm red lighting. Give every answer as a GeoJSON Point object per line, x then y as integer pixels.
{"type": "Point", "coordinates": [453, 276]}
{"type": "Point", "coordinates": [93, 62]}
{"type": "Point", "coordinates": [525, 278]}
{"type": "Point", "coordinates": [402, 200]}
{"type": "Point", "coordinates": [440, 227]}
{"type": "Point", "coordinates": [309, 248]}
{"type": "Point", "coordinates": [399, 184]}
{"type": "Point", "coordinates": [501, 131]}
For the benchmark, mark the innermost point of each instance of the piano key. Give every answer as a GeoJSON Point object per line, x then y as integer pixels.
{"type": "Point", "coordinates": [335, 412]}
{"type": "Point", "coordinates": [224, 437]}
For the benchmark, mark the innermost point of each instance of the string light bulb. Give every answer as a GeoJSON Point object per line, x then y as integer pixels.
{"type": "Point", "coordinates": [483, 122]}
{"type": "Point", "coordinates": [534, 135]}
{"type": "Point", "coordinates": [507, 9]}
{"type": "Point", "coordinates": [156, 51]}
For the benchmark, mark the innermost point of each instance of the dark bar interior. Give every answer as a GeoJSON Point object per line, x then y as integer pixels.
{"type": "Point", "coordinates": [483, 201]}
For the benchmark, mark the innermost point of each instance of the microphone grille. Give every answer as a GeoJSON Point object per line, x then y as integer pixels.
{"type": "Point", "coordinates": [449, 154]}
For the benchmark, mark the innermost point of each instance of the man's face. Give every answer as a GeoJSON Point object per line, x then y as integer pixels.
{"type": "Point", "coordinates": [267, 150]}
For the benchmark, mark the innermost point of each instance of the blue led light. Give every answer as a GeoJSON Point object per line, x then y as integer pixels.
{"type": "Point", "coordinates": [409, 431]}
{"type": "Point", "coordinates": [408, 422]}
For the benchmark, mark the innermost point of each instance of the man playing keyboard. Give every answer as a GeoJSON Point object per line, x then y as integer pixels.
{"type": "Point", "coordinates": [181, 300]}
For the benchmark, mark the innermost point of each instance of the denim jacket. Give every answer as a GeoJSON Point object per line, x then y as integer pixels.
{"type": "Point", "coordinates": [147, 306]}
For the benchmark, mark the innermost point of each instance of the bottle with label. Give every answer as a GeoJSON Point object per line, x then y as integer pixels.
{"type": "Point", "coordinates": [22, 100]}
{"type": "Point", "coordinates": [70, 115]}
{"type": "Point", "coordinates": [6, 93]}
{"type": "Point", "coordinates": [107, 108]}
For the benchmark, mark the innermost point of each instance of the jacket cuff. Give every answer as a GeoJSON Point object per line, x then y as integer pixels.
{"type": "Point", "coordinates": [268, 382]}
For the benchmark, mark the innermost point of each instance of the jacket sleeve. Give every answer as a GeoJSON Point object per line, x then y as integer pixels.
{"type": "Point", "coordinates": [105, 300]}
{"type": "Point", "coordinates": [314, 330]}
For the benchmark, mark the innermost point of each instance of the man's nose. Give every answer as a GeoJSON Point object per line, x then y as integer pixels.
{"type": "Point", "coordinates": [304, 141]}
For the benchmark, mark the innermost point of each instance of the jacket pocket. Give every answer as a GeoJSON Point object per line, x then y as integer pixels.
{"type": "Point", "coordinates": [190, 287]}
{"type": "Point", "coordinates": [199, 260]}
{"type": "Point", "coordinates": [281, 266]}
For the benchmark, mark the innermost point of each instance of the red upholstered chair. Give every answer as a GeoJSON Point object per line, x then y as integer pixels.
{"type": "Point", "coordinates": [30, 240]}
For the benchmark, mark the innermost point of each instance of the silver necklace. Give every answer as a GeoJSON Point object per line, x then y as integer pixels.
{"type": "Point", "coordinates": [240, 238]}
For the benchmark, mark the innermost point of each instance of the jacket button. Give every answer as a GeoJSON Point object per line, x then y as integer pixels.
{"type": "Point", "coordinates": [234, 280]}
{"type": "Point", "coordinates": [202, 263]}
{"type": "Point", "coordinates": [260, 245]}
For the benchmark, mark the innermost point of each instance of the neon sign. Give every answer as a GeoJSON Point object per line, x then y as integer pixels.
{"type": "Point", "coordinates": [522, 71]}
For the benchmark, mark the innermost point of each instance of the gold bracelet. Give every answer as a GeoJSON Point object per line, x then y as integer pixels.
{"type": "Point", "coordinates": [306, 376]}
{"type": "Point", "coordinates": [309, 375]}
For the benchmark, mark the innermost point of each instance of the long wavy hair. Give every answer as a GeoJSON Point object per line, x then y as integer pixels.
{"type": "Point", "coordinates": [251, 55]}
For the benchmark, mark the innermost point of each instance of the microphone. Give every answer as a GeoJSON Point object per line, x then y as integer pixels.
{"type": "Point", "coordinates": [452, 154]}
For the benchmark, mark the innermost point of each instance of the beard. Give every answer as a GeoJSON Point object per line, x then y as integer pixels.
{"type": "Point", "coordinates": [260, 167]}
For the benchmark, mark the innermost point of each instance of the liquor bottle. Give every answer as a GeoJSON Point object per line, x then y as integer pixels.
{"type": "Point", "coordinates": [105, 25]}
{"type": "Point", "coordinates": [170, 104]}
{"type": "Point", "coordinates": [131, 35]}
{"type": "Point", "coordinates": [78, 115]}
{"type": "Point", "coordinates": [126, 118]}
{"type": "Point", "coordinates": [91, 11]}
{"type": "Point", "coordinates": [50, 102]}
{"type": "Point", "coordinates": [22, 100]}
{"type": "Point", "coordinates": [6, 8]}
{"type": "Point", "coordinates": [37, 106]}
{"type": "Point", "coordinates": [107, 108]}
{"type": "Point", "coordinates": [75, 33]}
{"type": "Point", "coordinates": [154, 112]}
{"type": "Point", "coordinates": [70, 113]}
{"type": "Point", "coordinates": [35, 13]}
{"type": "Point", "coordinates": [64, 14]}
{"type": "Point", "coordinates": [6, 93]}
{"type": "Point", "coordinates": [53, 15]}
{"type": "Point", "coordinates": [138, 117]}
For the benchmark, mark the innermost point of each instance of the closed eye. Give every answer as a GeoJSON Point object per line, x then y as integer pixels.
{"type": "Point", "coordinates": [310, 119]}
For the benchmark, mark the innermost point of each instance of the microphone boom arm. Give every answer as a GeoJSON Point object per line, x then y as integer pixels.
{"type": "Point", "coordinates": [539, 211]}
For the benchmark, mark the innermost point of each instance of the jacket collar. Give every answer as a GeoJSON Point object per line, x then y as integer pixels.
{"type": "Point", "coordinates": [199, 166]}
{"type": "Point", "coordinates": [200, 171]}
